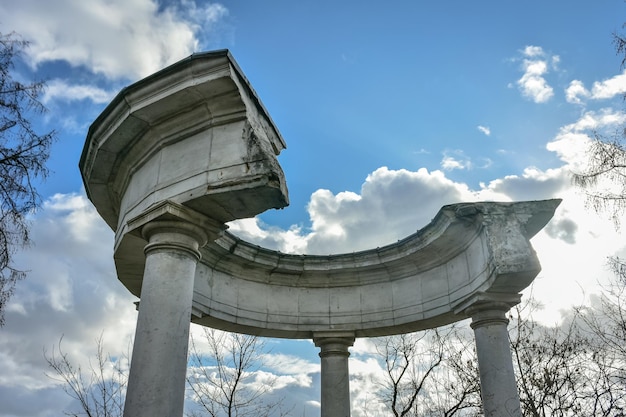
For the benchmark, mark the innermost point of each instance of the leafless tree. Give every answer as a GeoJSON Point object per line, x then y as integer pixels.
{"type": "Point", "coordinates": [619, 41]}
{"type": "Point", "coordinates": [566, 370]}
{"type": "Point", "coordinates": [604, 177]}
{"type": "Point", "coordinates": [408, 362]}
{"type": "Point", "coordinates": [99, 390]}
{"type": "Point", "coordinates": [549, 363]}
{"type": "Point", "coordinates": [605, 326]}
{"type": "Point", "coordinates": [456, 387]}
{"type": "Point", "coordinates": [431, 373]}
{"type": "Point", "coordinates": [23, 154]}
{"type": "Point", "coordinates": [225, 378]}
{"type": "Point", "coordinates": [576, 368]}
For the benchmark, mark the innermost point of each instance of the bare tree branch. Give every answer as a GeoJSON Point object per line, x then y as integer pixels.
{"type": "Point", "coordinates": [23, 155]}
{"type": "Point", "coordinates": [222, 377]}
{"type": "Point", "coordinates": [428, 374]}
{"type": "Point", "coordinates": [99, 390]}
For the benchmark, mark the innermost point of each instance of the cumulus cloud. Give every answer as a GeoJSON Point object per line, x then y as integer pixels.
{"type": "Point", "coordinates": [292, 240]}
{"type": "Point", "coordinates": [365, 376]}
{"type": "Point", "coordinates": [120, 39]}
{"type": "Point", "coordinates": [606, 89]}
{"type": "Point", "coordinates": [532, 184]}
{"type": "Point", "coordinates": [572, 142]}
{"type": "Point", "coordinates": [391, 205]}
{"type": "Point", "coordinates": [536, 63]}
{"type": "Point", "coordinates": [575, 92]}
{"type": "Point", "coordinates": [533, 51]}
{"type": "Point", "coordinates": [383, 212]}
{"type": "Point", "coordinates": [609, 88]}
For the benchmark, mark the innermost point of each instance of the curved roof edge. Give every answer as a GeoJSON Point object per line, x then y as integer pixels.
{"type": "Point", "coordinates": [470, 251]}
{"type": "Point", "coordinates": [533, 214]}
{"type": "Point", "coordinates": [175, 67]}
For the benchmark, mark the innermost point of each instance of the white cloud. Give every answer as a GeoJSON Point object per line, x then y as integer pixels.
{"type": "Point", "coordinates": [449, 163]}
{"type": "Point", "coordinates": [572, 142]}
{"type": "Point", "coordinates": [533, 184]}
{"type": "Point", "coordinates": [609, 88]}
{"type": "Point", "coordinates": [383, 212]}
{"type": "Point", "coordinates": [62, 90]}
{"type": "Point", "coordinates": [291, 240]}
{"type": "Point", "coordinates": [575, 91]}
{"type": "Point", "coordinates": [600, 90]}
{"type": "Point", "coordinates": [596, 120]}
{"type": "Point", "coordinates": [71, 290]}
{"type": "Point", "coordinates": [533, 51]}
{"type": "Point", "coordinates": [484, 129]}
{"type": "Point", "coordinates": [365, 374]}
{"type": "Point", "coordinates": [532, 84]}
{"type": "Point", "coordinates": [120, 39]}
{"type": "Point", "coordinates": [291, 365]}
{"type": "Point", "coordinates": [455, 160]}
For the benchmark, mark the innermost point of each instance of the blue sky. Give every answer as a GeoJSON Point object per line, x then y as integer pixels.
{"type": "Point", "coordinates": [389, 110]}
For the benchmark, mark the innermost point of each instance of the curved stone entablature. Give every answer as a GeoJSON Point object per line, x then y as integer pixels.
{"type": "Point", "coordinates": [194, 133]}
{"type": "Point", "coordinates": [422, 281]}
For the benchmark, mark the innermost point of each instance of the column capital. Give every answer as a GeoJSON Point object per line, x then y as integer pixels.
{"type": "Point", "coordinates": [487, 308]}
{"type": "Point", "coordinates": [207, 228]}
{"type": "Point", "coordinates": [170, 225]}
{"type": "Point", "coordinates": [333, 343]}
{"type": "Point", "coordinates": [481, 301]}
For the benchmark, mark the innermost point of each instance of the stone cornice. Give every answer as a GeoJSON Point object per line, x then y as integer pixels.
{"type": "Point", "coordinates": [469, 253]}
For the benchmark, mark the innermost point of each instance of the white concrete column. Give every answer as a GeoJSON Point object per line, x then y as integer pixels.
{"type": "Point", "coordinates": [497, 378]}
{"type": "Point", "coordinates": [156, 384]}
{"type": "Point", "coordinates": [335, 376]}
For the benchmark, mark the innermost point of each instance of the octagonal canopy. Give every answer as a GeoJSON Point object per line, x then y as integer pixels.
{"type": "Point", "coordinates": [194, 133]}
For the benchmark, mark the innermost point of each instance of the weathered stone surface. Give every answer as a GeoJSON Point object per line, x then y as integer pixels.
{"type": "Point", "coordinates": [497, 376]}
{"type": "Point", "coordinates": [194, 134]}
{"type": "Point", "coordinates": [335, 374]}
{"type": "Point", "coordinates": [156, 383]}
{"type": "Point", "coordinates": [419, 282]}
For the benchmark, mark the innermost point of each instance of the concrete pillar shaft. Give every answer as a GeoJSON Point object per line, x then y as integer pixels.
{"type": "Point", "coordinates": [156, 384]}
{"type": "Point", "coordinates": [335, 376]}
{"type": "Point", "coordinates": [497, 378]}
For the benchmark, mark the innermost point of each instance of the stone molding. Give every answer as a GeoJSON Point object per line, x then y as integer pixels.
{"type": "Point", "coordinates": [333, 343]}
{"type": "Point", "coordinates": [176, 218]}
{"type": "Point", "coordinates": [467, 253]}
{"type": "Point", "coordinates": [488, 308]}
{"type": "Point", "coordinates": [194, 101]}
